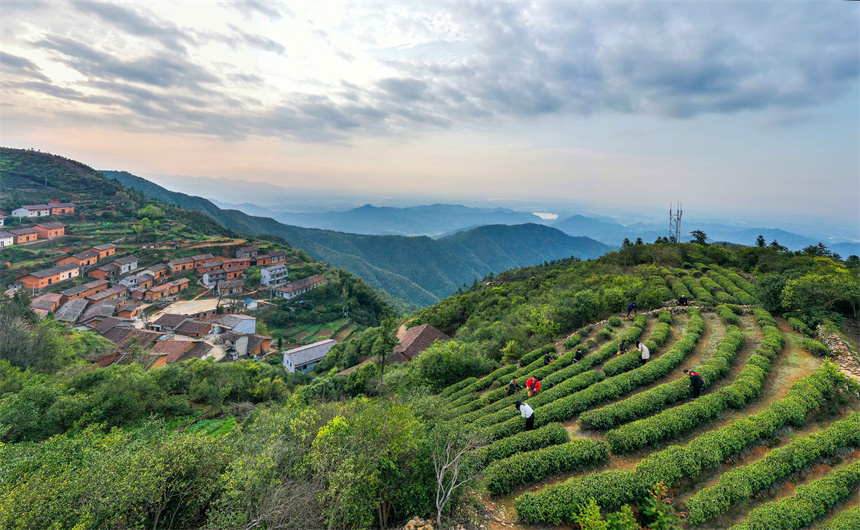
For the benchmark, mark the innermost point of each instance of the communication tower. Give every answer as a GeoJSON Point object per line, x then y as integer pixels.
{"type": "Point", "coordinates": [675, 223]}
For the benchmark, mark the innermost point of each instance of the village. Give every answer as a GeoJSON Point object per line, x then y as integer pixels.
{"type": "Point", "coordinates": [195, 305]}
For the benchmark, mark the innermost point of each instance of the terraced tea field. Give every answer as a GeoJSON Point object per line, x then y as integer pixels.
{"type": "Point", "coordinates": [773, 442]}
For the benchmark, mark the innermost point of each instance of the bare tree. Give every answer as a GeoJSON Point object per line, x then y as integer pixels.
{"type": "Point", "coordinates": [451, 445]}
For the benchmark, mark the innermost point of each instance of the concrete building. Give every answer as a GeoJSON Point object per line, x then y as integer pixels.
{"type": "Point", "coordinates": [304, 358]}
{"type": "Point", "coordinates": [6, 239]}
{"type": "Point", "coordinates": [274, 275]}
{"type": "Point", "coordinates": [299, 287]}
{"type": "Point", "coordinates": [50, 230]}
{"type": "Point", "coordinates": [242, 324]}
{"type": "Point", "coordinates": [44, 278]}
{"type": "Point", "coordinates": [125, 264]}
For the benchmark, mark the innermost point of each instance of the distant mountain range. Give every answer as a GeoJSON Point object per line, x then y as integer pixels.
{"type": "Point", "coordinates": [419, 270]}
{"type": "Point", "coordinates": [440, 220]}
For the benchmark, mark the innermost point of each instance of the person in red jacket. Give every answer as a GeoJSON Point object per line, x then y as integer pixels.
{"type": "Point", "coordinates": [530, 386]}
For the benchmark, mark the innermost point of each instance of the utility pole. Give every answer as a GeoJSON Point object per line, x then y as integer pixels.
{"type": "Point", "coordinates": [675, 223]}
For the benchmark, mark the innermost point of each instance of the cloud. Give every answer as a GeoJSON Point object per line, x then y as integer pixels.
{"type": "Point", "coordinates": [239, 37]}
{"type": "Point", "coordinates": [271, 9]}
{"type": "Point", "coordinates": [20, 66]}
{"type": "Point", "coordinates": [134, 23]}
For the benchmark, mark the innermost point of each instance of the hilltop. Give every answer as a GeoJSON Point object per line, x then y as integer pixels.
{"type": "Point", "coordinates": [419, 270]}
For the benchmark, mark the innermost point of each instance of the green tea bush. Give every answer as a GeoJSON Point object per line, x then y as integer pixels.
{"type": "Point", "coordinates": [673, 422]}
{"type": "Point", "coordinates": [763, 318]}
{"type": "Point", "coordinates": [446, 392]}
{"type": "Point", "coordinates": [846, 520]}
{"type": "Point", "coordinates": [664, 317]}
{"type": "Point", "coordinates": [737, 292]}
{"type": "Point", "coordinates": [809, 502]}
{"type": "Point", "coordinates": [814, 347]}
{"type": "Point", "coordinates": [614, 322]}
{"type": "Point", "coordinates": [798, 326]}
{"type": "Point", "coordinates": [481, 383]}
{"type": "Point", "coordinates": [606, 333]}
{"type": "Point", "coordinates": [699, 293]}
{"type": "Point", "coordinates": [741, 483]}
{"type": "Point", "coordinates": [632, 359]}
{"type": "Point", "coordinates": [658, 398]}
{"type": "Point", "coordinates": [727, 315]}
{"type": "Point", "coordinates": [678, 288]}
{"type": "Point", "coordinates": [611, 489]}
{"type": "Point", "coordinates": [526, 441]}
{"type": "Point", "coordinates": [572, 341]}
{"type": "Point", "coordinates": [504, 475]}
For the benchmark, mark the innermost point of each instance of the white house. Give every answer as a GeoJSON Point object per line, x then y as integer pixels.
{"type": "Point", "coordinates": [299, 287]}
{"type": "Point", "coordinates": [305, 358]}
{"type": "Point", "coordinates": [126, 264]}
{"type": "Point", "coordinates": [6, 239]}
{"type": "Point", "coordinates": [237, 323]}
{"type": "Point", "coordinates": [274, 275]}
{"type": "Point", "coordinates": [32, 210]}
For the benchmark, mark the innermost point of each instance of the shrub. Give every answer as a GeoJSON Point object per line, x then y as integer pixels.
{"type": "Point", "coordinates": [798, 326]}
{"type": "Point", "coordinates": [504, 475]}
{"type": "Point", "coordinates": [656, 399]}
{"type": "Point", "coordinates": [763, 318]}
{"type": "Point", "coordinates": [664, 317]}
{"type": "Point", "coordinates": [810, 502]}
{"type": "Point", "coordinates": [611, 489]}
{"type": "Point", "coordinates": [614, 322]}
{"type": "Point", "coordinates": [846, 520]}
{"type": "Point", "coordinates": [741, 483]}
{"type": "Point", "coordinates": [727, 315]}
{"type": "Point", "coordinates": [606, 333]}
{"type": "Point", "coordinates": [672, 422]}
{"type": "Point", "coordinates": [814, 347]}
{"type": "Point", "coordinates": [571, 342]}
{"type": "Point", "coordinates": [448, 391]}
{"type": "Point", "coordinates": [552, 434]}
{"type": "Point", "coordinates": [590, 344]}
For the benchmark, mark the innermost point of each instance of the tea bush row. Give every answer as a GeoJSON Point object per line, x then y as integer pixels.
{"type": "Point", "coordinates": [727, 315]}
{"type": "Point", "coordinates": [800, 327]}
{"type": "Point", "coordinates": [611, 489]}
{"type": "Point", "coordinates": [845, 520]}
{"type": "Point", "coordinates": [700, 294]}
{"type": "Point", "coordinates": [741, 295]}
{"type": "Point", "coordinates": [448, 391]}
{"type": "Point", "coordinates": [552, 434]}
{"type": "Point", "coordinates": [673, 422]}
{"type": "Point", "coordinates": [741, 483]}
{"type": "Point", "coordinates": [810, 502]}
{"type": "Point", "coordinates": [632, 359]}
{"type": "Point", "coordinates": [503, 476]}
{"type": "Point", "coordinates": [656, 399]}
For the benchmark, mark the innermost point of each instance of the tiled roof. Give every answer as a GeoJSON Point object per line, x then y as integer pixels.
{"type": "Point", "coordinates": [180, 261]}
{"type": "Point", "coordinates": [36, 206]}
{"type": "Point", "coordinates": [158, 267]}
{"type": "Point", "coordinates": [54, 270]}
{"type": "Point", "coordinates": [199, 257]}
{"type": "Point", "coordinates": [24, 231]}
{"type": "Point", "coordinates": [46, 301]}
{"type": "Point", "coordinates": [298, 285]}
{"type": "Point", "coordinates": [229, 284]}
{"type": "Point", "coordinates": [100, 310]}
{"type": "Point", "coordinates": [418, 339]}
{"type": "Point", "coordinates": [107, 293]}
{"type": "Point", "coordinates": [109, 323]}
{"type": "Point", "coordinates": [128, 305]}
{"type": "Point", "coordinates": [51, 226]}
{"type": "Point", "coordinates": [170, 321]}
{"type": "Point", "coordinates": [140, 337]}
{"type": "Point", "coordinates": [106, 246]}
{"type": "Point", "coordinates": [87, 254]}
{"type": "Point", "coordinates": [126, 260]}
{"type": "Point", "coordinates": [109, 267]}
{"type": "Point", "coordinates": [310, 353]}
{"type": "Point", "coordinates": [74, 291]}
{"type": "Point", "coordinates": [200, 350]}
{"type": "Point", "coordinates": [231, 321]}
{"type": "Point", "coordinates": [193, 327]}
{"type": "Point", "coordinates": [172, 347]}
{"type": "Point", "coordinates": [71, 310]}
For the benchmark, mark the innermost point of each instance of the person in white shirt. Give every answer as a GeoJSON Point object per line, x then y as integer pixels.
{"type": "Point", "coordinates": [644, 351]}
{"type": "Point", "coordinates": [528, 413]}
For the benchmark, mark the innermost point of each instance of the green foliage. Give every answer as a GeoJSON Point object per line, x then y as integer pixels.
{"type": "Point", "coordinates": [741, 483]}
{"type": "Point", "coordinates": [672, 422]}
{"type": "Point", "coordinates": [659, 515]}
{"type": "Point", "coordinates": [589, 517]}
{"type": "Point", "coordinates": [523, 442]}
{"type": "Point", "coordinates": [727, 315]}
{"type": "Point", "coordinates": [365, 455]}
{"type": "Point", "coordinates": [846, 520]}
{"type": "Point", "coordinates": [656, 399]}
{"type": "Point", "coordinates": [664, 317]}
{"type": "Point", "coordinates": [807, 504]}
{"type": "Point", "coordinates": [611, 489]}
{"type": "Point", "coordinates": [572, 341]}
{"type": "Point", "coordinates": [614, 322]}
{"type": "Point", "coordinates": [445, 363]}
{"type": "Point", "coordinates": [504, 475]}
{"type": "Point", "coordinates": [460, 385]}
{"type": "Point", "coordinates": [814, 347]}
{"type": "Point", "coordinates": [799, 326]}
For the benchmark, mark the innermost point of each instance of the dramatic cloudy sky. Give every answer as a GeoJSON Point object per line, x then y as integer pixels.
{"type": "Point", "coordinates": [729, 106]}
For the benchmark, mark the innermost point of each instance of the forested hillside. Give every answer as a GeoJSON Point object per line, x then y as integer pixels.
{"type": "Point", "coordinates": [419, 270]}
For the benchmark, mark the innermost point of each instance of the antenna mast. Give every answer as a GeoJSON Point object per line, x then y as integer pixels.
{"type": "Point", "coordinates": [675, 223]}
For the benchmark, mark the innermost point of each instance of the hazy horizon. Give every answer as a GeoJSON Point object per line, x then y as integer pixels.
{"type": "Point", "coordinates": [745, 110]}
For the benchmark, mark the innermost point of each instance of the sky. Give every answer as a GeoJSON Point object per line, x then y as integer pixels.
{"type": "Point", "coordinates": [732, 107]}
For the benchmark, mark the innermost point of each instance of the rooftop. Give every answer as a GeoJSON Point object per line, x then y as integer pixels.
{"type": "Point", "coordinates": [231, 321]}
{"type": "Point", "coordinates": [24, 231]}
{"type": "Point", "coordinates": [126, 260]}
{"type": "Point", "coordinates": [170, 321]}
{"type": "Point", "coordinates": [74, 291]}
{"type": "Point", "coordinates": [106, 246]}
{"type": "Point", "coordinates": [54, 270]}
{"type": "Point", "coordinates": [310, 353]}
{"type": "Point", "coordinates": [51, 226]}
{"type": "Point", "coordinates": [193, 327]}
{"type": "Point", "coordinates": [418, 339]}
{"type": "Point", "coordinates": [71, 310]}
